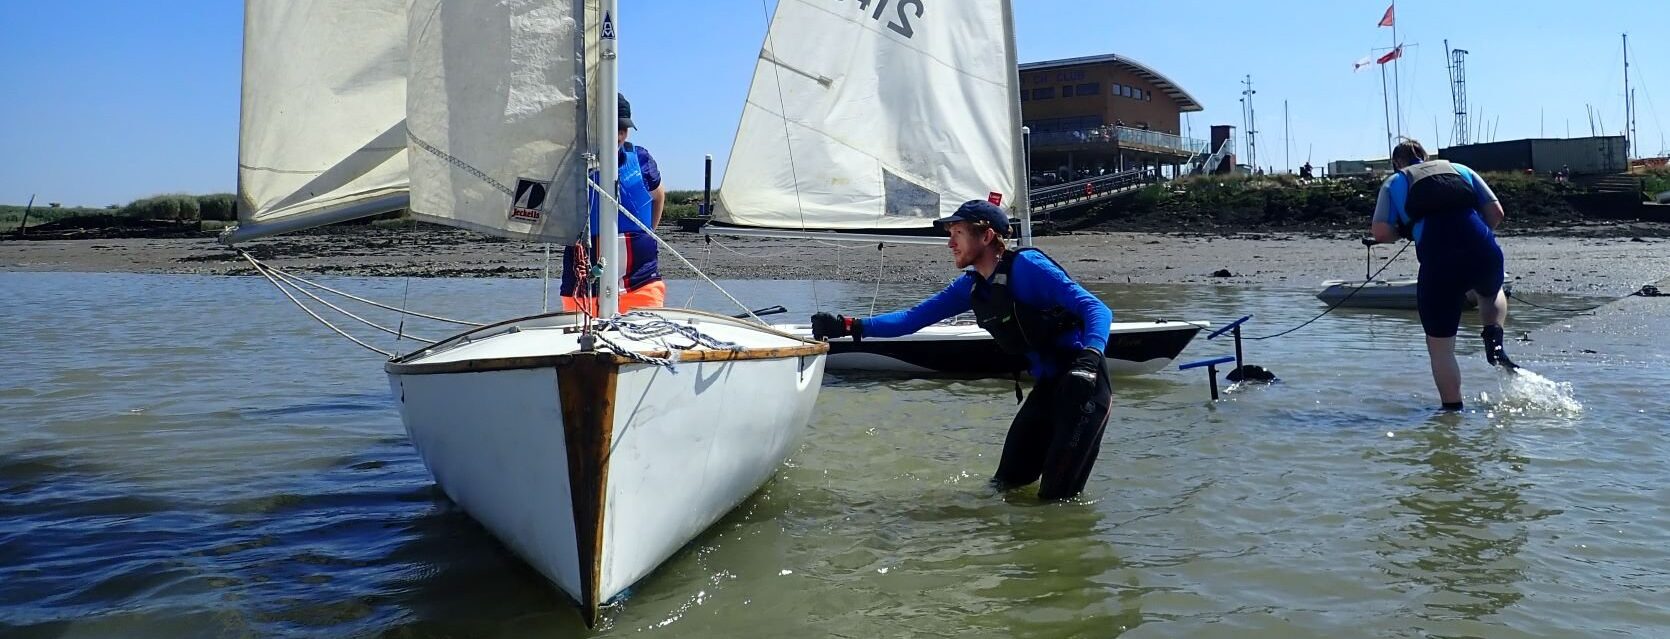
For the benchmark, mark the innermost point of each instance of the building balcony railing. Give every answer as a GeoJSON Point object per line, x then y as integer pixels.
{"type": "Point", "coordinates": [1122, 137]}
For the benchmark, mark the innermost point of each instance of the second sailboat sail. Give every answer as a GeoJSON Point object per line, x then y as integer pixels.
{"type": "Point", "coordinates": [875, 115]}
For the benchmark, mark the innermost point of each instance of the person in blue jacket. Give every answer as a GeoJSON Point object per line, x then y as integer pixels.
{"type": "Point", "coordinates": [1450, 214]}
{"type": "Point", "coordinates": [1029, 305]}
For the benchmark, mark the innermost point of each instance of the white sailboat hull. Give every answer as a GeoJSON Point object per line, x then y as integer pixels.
{"type": "Point", "coordinates": [1381, 294]}
{"type": "Point", "coordinates": [596, 469]}
{"type": "Point", "coordinates": [1134, 348]}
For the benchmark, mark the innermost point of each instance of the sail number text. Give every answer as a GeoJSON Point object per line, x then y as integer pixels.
{"type": "Point", "coordinates": [903, 10]}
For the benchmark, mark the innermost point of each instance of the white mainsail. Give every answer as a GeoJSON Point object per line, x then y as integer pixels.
{"type": "Point", "coordinates": [876, 116]}
{"type": "Point", "coordinates": [496, 116]}
{"type": "Point", "coordinates": [322, 135]}
{"type": "Point", "coordinates": [469, 114]}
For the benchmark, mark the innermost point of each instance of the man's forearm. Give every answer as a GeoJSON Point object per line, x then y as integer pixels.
{"type": "Point", "coordinates": [658, 200]}
{"type": "Point", "coordinates": [1494, 215]}
{"type": "Point", "coordinates": [1384, 233]}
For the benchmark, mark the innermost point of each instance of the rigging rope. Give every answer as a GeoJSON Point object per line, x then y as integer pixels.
{"type": "Point", "coordinates": [634, 355]}
{"type": "Point", "coordinates": [881, 265]}
{"type": "Point", "coordinates": [1645, 291]}
{"type": "Point", "coordinates": [405, 295]}
{"type": "Point", "coordinates": [788, 140]}
{"type": "Point", "coordinates": [637, 325]}
{"type": "Point", "coordinates": [316, 298]}
{"type": "Point", "coordinates": [663, 244]}
{"type": "Point", "coordinates": [1342, 300]}
{"type": "Point", "coordinates": [356, 298]}
{"type": "Point", "coordinates": [788, 252]}
{"type": "Point", "coordinates": [646, 326]}
{"type": "Point", "coordinates": [757, 257]}
{"type": "Point", "coordinates": [545, 284]}
{"type": "Point", "coordinates": [651, 326]}
{"type": "Point", "coordinates": [707, 256]}
{"type": "Point", "coordinates": [299, 304]}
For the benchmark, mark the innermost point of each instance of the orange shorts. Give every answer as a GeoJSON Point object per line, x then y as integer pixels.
{"type": "Point", "coordinates": [651, 295]}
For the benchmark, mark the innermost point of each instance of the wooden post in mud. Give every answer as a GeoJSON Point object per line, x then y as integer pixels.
{"type": "Point", "coordinates": [24, 225]}
{"type": "Point", "coordinates": [707, 187]}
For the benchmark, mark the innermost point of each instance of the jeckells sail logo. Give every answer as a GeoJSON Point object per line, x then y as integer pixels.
{"type": "Point", "coordinates": [530, 196]}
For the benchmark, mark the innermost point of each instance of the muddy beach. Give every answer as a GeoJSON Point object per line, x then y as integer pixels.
{"type": "Point", "coordinates": [1600, 259]}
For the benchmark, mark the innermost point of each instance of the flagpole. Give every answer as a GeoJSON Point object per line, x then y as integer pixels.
{"type": "Point", "coordinates": [1385, 109]}
{"type": "Point", "coordinates": [1397, 75]}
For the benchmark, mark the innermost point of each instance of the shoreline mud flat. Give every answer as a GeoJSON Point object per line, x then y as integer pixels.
{"type": "Point", "coordinates": [1588, 259]}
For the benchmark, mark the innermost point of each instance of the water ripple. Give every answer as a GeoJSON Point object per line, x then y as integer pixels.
{"type": "Point", "coordinates": [254, 480]}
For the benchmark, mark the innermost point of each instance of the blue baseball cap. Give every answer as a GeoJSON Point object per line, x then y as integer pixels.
{"type": "Point", "coordinates": [977, 211]}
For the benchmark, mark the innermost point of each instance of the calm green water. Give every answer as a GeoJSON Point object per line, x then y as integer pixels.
{"type": "Point", "coordinates": [191, 456]}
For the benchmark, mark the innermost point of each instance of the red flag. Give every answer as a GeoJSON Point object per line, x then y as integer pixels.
{"type": "Point", "coordinates": [1387, 20]}
{"type": "Point", "coordinates": [1395, 54]}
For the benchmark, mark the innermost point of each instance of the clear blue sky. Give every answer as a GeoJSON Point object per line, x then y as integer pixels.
{"type": "Point", "coordinates": [106, 101]}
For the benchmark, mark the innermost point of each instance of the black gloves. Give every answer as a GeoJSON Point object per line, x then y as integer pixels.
{"type": "Point", "coordinates": [1082, 374]}
{"type": "Point", "coordinates": [826, 326]}
{"type": "Point", "coordinates": [1406, 231]}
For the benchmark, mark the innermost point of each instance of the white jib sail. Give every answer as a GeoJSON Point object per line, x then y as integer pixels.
{"type": "Point", "coordinates": [496, 117]}
{"type": "Point", "coordinates": [322, 133]}
{"type": "Point", "coordinates": [875, 115]}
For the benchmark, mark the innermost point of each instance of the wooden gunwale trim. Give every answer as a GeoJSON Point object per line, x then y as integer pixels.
{"type": "Point", "coordinates": [568, 359]}
{"type": "Point", "coordinates": [454, 339]}
{"type": "Point", "coordinates": [449, 341]}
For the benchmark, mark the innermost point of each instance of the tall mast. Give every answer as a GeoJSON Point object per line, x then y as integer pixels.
{"type": "Point", "coordinates": [606, 117]}
{"type": "Point", "coordinates": [1386, 109]}
{"type": "Point", "coordinates": [1252, 125]}
{"type": "Point", "coordinates": [1018, 147]}
{"type": "Point", "coordinates": [1397, 73]}
{"type": "Point", "coordinates": [1629, 108]}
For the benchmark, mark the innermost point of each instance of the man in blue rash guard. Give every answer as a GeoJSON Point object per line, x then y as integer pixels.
{"type": "Point", "coordinates": [1450, 213]}
{"type": "Point", "coordinates": [1029, 305]}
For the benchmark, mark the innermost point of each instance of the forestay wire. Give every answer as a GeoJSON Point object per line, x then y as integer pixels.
{"type": "Point", "coordinates": [260, 268]}
{"type": "Point", "coordinates": [788, 139]}
{"type": "Point", "coordinates": [397, 333]}
{"type": "Point", "coordinates": [669, 248]}
{"type": "Point", "coordinates": [292, 276]}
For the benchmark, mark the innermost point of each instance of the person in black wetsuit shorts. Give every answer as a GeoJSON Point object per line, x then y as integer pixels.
{"type": "Point", "coordinates": [1450, 214]}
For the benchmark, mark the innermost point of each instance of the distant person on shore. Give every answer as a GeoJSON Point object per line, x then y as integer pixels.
{"type": "Point", "coordinates": [1306, 172]}
{"type": "Point", "coordinates": [1030, 306]}
{"type": "Point", "coordinates": [641, 193]}
{"type": "Point", "coordinates": [1450, 213]}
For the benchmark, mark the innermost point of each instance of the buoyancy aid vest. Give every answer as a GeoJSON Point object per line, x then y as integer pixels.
{"type": "Point", "coordinates": [1437, 191]}
{"type": "Point", "coordinates": [1018, 328]}
{"type": "Point", "coordinates": [641, 261]}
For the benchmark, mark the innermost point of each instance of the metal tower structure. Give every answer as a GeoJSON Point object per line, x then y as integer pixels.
{"type": "Point", "coordinates": [1458, 95]}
